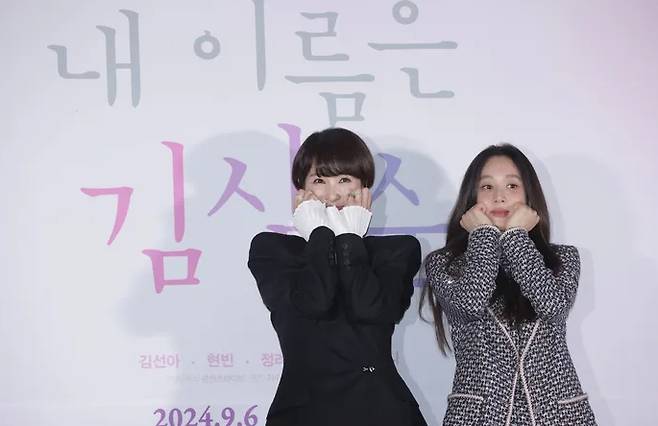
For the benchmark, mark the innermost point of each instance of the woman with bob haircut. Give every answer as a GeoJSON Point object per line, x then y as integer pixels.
{"type": "Point", "coordinates": [506, 292]}
{"type": "Point", "coordinates": [335, 296]}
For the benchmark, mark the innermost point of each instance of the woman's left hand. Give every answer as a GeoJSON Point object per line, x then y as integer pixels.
{"type": "Point", "coordinates": [360, 197]}
{"type": "Point", "coordinates": [522, 216]}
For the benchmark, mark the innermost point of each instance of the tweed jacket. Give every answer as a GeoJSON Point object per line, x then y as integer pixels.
{"type": "Point", "coordinates": [509, 374]}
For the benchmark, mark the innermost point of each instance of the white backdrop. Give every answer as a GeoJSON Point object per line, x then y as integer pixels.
{"type": "Point", "coordinates": [90, 335]}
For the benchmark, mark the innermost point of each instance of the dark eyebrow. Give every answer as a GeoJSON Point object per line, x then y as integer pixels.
{"type": "Point", "coordinates": [508, 176]}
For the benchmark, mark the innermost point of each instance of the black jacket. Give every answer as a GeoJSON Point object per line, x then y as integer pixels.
{"type": "Point", "coordinates": [334, 302]}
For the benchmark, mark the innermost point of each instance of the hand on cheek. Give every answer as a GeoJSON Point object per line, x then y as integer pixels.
{"type": "Point", "coordinates": [353, 198]}
{"type": "Point", "coordinates": [366, 198]}
{"type": "Point", "coordinates": [522, 216]}
{"type": "Point", "coordinates": [360, 197]}
{"type": "Point", "coordinates": [302, 196]}
{"type": "Point", "coordinates": [474, 217]}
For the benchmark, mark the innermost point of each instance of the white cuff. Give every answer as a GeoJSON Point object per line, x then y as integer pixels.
{"type": "Point", "coordinates": [309, 215]}
{"type": "Point", "coordinates": [351, 219]}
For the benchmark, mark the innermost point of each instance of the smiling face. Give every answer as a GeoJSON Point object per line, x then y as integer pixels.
{"type": "Point", "coordinates": [333, 190]}
{"type": "Point", "coordinates": [500, 187]}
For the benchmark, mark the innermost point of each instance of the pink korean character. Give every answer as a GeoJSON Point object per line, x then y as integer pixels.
{"type": "Point", "coordinates": [145, 361]}
{"type": "Point", "coordinates": [173, 360]}
{"type": "Point", "coordinates": [160, 361]}
{"type": "Point", "coordinates": [267, 360]}
{"type": "Point", "coordinates": [227, 360]}
{"type": "Point", "coordinates": [213, 360]}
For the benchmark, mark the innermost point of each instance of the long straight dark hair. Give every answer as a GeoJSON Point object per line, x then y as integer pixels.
{"type": "Point", "coordinates": [517, 306]}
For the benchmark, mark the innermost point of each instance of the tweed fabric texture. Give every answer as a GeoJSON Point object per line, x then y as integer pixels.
{"type": "Point", "coordinates": [509, 373]}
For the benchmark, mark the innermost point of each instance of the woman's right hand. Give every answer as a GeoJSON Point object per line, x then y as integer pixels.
{"type": "Point", "coordinates": [309, 213]}
{"type": "Point", "coordinates": [302, 196]}
{"type": "Point", "coordinates": [474, 217]}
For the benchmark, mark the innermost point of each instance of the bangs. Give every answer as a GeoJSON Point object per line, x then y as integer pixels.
{"type": "Point", "coordinates": [333, 164]}
{"type": "Point", "coordinates": [334, 152]}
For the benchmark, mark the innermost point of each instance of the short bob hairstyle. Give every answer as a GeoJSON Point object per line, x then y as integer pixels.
{"type": "Point", "coordinates": [334, 151]}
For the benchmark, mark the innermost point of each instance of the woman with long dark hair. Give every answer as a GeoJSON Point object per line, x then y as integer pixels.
{"type": "Point", "coordinates": [335, 296]}
{"type": "Point", "coordinates": [506, 292]}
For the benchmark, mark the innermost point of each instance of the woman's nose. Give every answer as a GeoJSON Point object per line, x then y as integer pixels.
{"type": "Point", "coordinates": [334, 197]}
